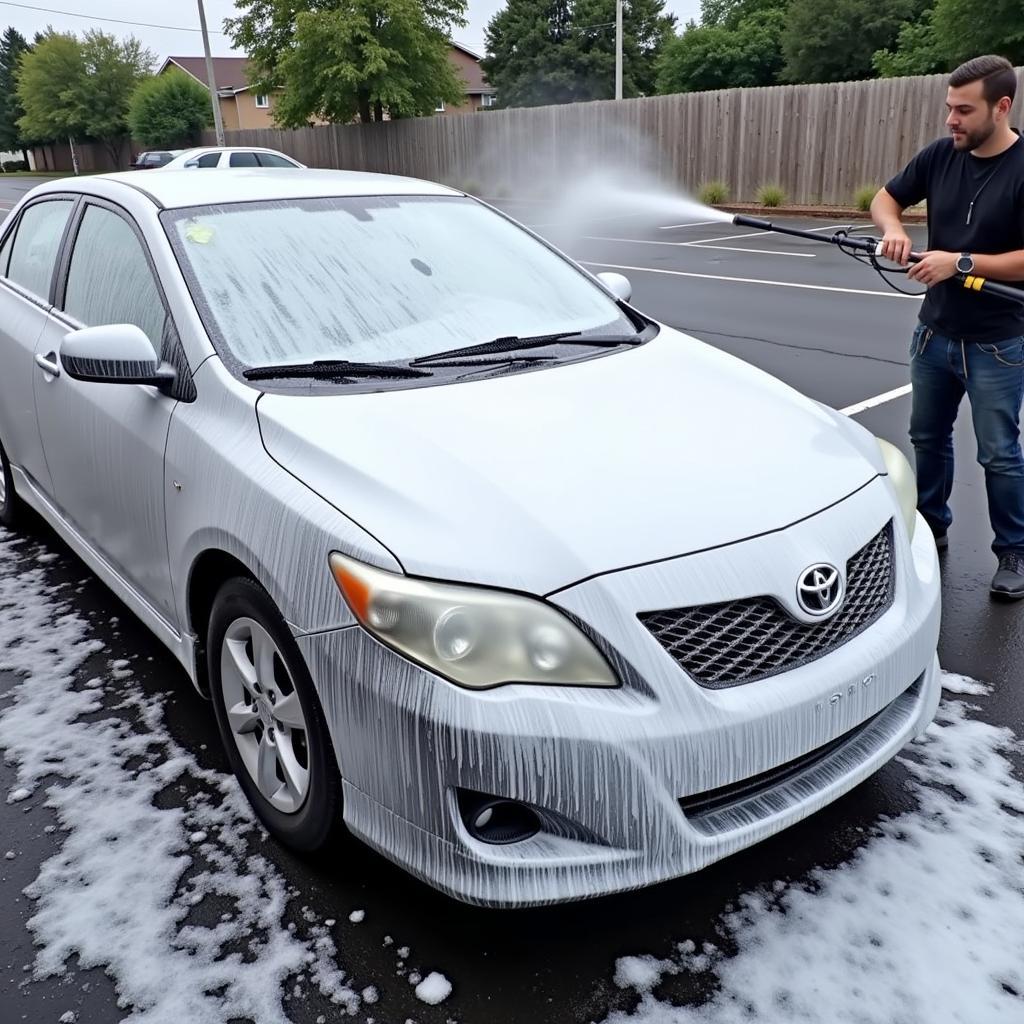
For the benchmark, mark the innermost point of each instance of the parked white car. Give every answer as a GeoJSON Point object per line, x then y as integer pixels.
{"type": "Point", "coordinates": [541, 597]}
{"type": "Point", "coordinates": [229, 156]}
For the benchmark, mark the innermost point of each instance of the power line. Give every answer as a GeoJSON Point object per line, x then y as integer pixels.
{"type": "Point", "coordinates": [96, 17]}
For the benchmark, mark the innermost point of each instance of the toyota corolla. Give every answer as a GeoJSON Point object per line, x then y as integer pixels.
{"type": "Point", "coordinates": [540, 598]}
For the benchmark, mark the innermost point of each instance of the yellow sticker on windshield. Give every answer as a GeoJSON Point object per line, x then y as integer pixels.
{"type": "Point", "coordinates": [199, 233]}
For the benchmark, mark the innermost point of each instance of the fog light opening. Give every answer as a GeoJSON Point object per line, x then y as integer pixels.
{"type": "Point", "coordinates": [496, 820]}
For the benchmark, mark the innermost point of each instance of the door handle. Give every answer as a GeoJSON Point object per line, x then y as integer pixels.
{"type": "Point", "coordinates": [48, 364]}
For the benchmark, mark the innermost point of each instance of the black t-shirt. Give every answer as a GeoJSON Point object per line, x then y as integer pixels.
{"type": "Point", "coordinates": [949, 180]}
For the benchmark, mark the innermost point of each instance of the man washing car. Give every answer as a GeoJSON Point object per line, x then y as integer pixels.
{"type": "Point", "coordinates": [973, 182]}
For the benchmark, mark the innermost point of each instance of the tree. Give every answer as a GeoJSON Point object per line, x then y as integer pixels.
{"type": "Point", "coordinates": [563, 51]}
{"type": "Point", "coordinates": [720, 57]}
{"type": "Point", "coordinates": [963, 30]}
{"type": "Point", "coordinates": [645, 30]}
{"type": "Point", "coordinates": [334, 59]}
{"type": "Point", "coordinates": [837, 45]}
{"type": "Point", "coordinates": [530, 54]}
{"type": "Point", "coordinates": [50, 78]}
{"type": "Point", "coordinates": [12, 45]}
{"type": "Point", "coordinates": [72, 88]}
{"type": "Point", "coordinates": [917, 51]}
{"type": "Point", "coordinates": [168, 108]}
{"type": "Point", "coordinates": [113, 70]}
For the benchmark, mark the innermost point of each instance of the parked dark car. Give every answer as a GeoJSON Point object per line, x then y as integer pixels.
{"type": "Point", "coordinates": [154, 158]}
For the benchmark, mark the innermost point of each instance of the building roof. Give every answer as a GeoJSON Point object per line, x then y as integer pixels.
{"type": "Point", "coordinates": [230, 72]}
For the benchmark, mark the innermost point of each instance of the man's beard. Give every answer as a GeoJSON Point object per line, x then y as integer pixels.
{"type": "Point", "coordinates": [972, 140]}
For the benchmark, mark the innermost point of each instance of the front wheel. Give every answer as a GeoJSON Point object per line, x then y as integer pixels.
{"type": "Point", "coordinates": [270, 719]}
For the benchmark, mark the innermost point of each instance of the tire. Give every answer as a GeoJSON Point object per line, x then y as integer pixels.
{"type": "Point", "coordinates": [285, 765]}
{"type": "Point", "coordinates": [10, 503]}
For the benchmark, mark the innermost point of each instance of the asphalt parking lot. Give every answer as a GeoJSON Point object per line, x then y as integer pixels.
{"type": "Point", "coordinates": [803, 312]}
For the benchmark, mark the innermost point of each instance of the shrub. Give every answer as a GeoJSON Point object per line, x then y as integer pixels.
{"type": "Point", "coordinates": [14, 165]}
{"type": "Point", "coordinates": [771, 195]}
{"type": "Point", "coordinates": [713, 192]}
{"type": "Point", "coordinates": [863, 196]}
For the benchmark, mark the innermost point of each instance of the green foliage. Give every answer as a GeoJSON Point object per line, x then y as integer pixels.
{"type": "Point", "coordinates": [563, 51]}
{"type": "Point", "coordinates": [169, 108]}
{"type": "Point", "coordinates": [836, 44]}
{"type": "Point", "coordinates": [10, 166]}
{"type": "Point", "coordinates": [50, 79]}
{"type": "Point", "coordinates": [863, 196]}
{"type": "Point", "coordinates": [334, 59]}
{"type": "Point", "coordinates": [917, 51]}
{"type": "Point", "coordinates": [964, 30]}
{"type": "Point", "coordinates": [12, 46]}
{"type": "Point", "coordinates": [725, 55]}
{"type": "Point", "coordinates": [771, 195]}
{"type": "Point", "coordinates": [81, 87]}
{"type": "Point", "coordinates": [713, 192]}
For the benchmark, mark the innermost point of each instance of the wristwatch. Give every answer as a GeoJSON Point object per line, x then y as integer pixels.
{"type": "Point", "coordinates": [965, 264]}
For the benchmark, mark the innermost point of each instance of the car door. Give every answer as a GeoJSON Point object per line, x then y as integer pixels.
{"type": "Point", "coordinates": [104, 443]}
{"type": "Point", "coordinates": [28, 257]}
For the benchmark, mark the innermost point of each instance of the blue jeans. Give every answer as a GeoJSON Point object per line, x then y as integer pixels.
{"type": "Point", "coordinates": [992, 375]}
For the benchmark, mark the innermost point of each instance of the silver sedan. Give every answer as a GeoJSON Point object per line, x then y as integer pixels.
{"type": "Point", "coordinates": [539, 597]}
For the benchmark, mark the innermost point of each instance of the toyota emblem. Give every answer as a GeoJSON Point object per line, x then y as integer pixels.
{"type": "Point", "coordinates": [820, 590]}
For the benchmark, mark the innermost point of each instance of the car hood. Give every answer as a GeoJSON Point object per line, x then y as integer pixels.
{"type": "Point", "coordinates": [536, 480]}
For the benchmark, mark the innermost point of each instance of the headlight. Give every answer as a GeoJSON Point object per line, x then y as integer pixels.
{"type": "Point", "coordinates": [903, 479]}
{"type": "Point", "coordinates": [474, 637]}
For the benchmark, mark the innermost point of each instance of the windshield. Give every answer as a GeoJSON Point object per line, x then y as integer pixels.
{"type": "Point", "coordinates": [375, 279]}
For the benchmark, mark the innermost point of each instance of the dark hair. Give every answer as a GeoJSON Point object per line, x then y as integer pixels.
{"type": "Point", "coordinates": [998, 79]}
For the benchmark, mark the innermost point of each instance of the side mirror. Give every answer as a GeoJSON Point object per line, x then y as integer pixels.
{"type": "Point", "coordinates": [617, 284]}
{"type": "Point", "coordinates": [191, 163]}
{"type": "Point", "coordinates": [114, 354]}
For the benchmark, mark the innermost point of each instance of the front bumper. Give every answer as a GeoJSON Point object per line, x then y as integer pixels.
{"type": "Point", "coordinates": [617, 767]}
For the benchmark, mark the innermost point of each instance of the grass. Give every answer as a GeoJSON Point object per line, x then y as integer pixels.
{"type": "Point", "coordinates": [713, 192]}
{"type": "Point", "coordinates": [771, 195]}
{"type": "Point", "coordinates": [863, 196]}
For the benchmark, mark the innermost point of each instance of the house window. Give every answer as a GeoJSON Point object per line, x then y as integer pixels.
{"type": "Point", "coordinates": [263, 102]}
{"type": "Point", "coordinates": [488, 99]}
{"type": "Point", "coordinates": [440, 107]}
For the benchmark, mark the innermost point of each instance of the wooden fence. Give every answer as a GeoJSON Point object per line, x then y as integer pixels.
{"type": "Point", "coordinates": [819, 142]}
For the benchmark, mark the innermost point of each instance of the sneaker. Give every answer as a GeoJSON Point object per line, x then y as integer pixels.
{"type": "Point", "coordinates": [1008, 582]}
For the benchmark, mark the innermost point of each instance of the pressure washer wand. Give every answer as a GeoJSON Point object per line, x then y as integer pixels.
{"type": "Point", "coordinates": [873, 247]}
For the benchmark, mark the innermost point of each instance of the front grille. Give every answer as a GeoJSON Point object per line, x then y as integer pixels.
{"type": "Point", "coordinates": [736, 642]}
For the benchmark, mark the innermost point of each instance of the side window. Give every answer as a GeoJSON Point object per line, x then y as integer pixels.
{"type": "Point", "coordinates": [208, 160]}
{"type": "Point", "coordinates": [36, 243]}
{"type": "Point", "coordinates": [109, 280]}
{"type": "Point", "coordinates": [273, 160]}
{"type": "Point", "coordinates": [243, 160]}
{"type": "Point", "coordinates": [5, 251]}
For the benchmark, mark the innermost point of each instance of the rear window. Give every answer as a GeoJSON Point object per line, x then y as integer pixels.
{"type": "Point", "coordinates": [243, 160]}
{"type": "Point", "coordinates": [273, 160]}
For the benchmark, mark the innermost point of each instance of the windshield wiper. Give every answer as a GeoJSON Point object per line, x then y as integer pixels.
{"type": "Point", "coordinates": [514, 344]}
{"type": "Point", "coordinates": [332, 369]}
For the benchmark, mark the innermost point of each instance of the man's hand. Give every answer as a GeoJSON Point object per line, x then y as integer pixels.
{"type": "Point", "coordinates": [935, 266]}
{"type": "Point", "coordinates": [896, 245]}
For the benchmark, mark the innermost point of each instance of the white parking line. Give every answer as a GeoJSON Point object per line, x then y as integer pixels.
{"type": "Point", "coordinates": [871, 403]}
{"type": "Point", "coordinates": [752, 280]}
{"type": "Point", "coordinates": [698, 245]}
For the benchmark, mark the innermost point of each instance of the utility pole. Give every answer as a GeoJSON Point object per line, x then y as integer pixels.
{"type": "Point", "coordinates": [218, 124]}
{"type": "Point", "coordinates": [619, 48]}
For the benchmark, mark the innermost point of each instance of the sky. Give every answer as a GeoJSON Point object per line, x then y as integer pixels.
{"type": "Point", "coordinates": [80, 15]}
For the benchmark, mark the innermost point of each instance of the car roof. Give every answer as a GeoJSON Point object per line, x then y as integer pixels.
{"type": "Point", "coordinates": [178, 188]}
{"type": "Point", "coordinates": [233, 149]}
